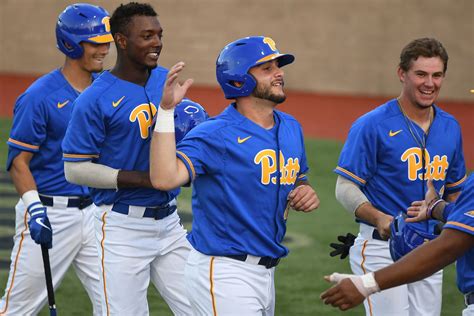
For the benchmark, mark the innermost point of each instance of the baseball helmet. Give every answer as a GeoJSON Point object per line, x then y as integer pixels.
{"type": "Point", "coordinates": [82, 22]}
{"type": "Point", "coordinates": [404, 238]}
{"type": "Point", "coordinates": [236, 59]}
{"type": "Point", "coordinates": [187, 115]}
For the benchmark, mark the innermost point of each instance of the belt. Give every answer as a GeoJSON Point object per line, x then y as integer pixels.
{"type": "Point", "coordinates": [268, 262]}
{"type": "Point", "coordinates": [376, 235]}
{"type": "Point", "coordinates": [79, 202]}
{"type": "Point", "coordinates": [157, 213]}
{"type": "Point", "coordinates": [469, 298]}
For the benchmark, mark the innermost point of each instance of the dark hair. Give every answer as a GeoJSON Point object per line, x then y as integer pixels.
{"type": "Point", "coordinates": [425, 47]}
{"type": "Point", "coordinates": [122, 16]}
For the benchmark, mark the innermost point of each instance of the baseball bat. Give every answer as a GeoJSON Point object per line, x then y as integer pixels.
{"type": "Point", "coordinates": [49, 281]}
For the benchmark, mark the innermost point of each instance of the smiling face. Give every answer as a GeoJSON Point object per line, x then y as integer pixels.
{"type": "Point", "coordinates": [269, 77]}
{"type": "Point", "coordinates": [143, 41]}
{"type": "Point", "coordinates": [423, 80]}
{"type": "Point", "coordinates": [92, 60]}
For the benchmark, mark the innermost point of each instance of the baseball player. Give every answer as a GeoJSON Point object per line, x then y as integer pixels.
{"type": "Point", "coordinates": [455, 242]}
{"type": "Point", "coordinates": [388, 156]}
{"type": "Point", "coordinates": [106, 147]}
{"type": "Point", "coordinates": [52, 211]}
{"type": "Point", "coordinates": [239, 194]}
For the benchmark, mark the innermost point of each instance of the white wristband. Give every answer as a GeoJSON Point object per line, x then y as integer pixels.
{"type": "Point", "coordinates": [164, 121]}
{"type": "Point", "coordinates": [30, 197]}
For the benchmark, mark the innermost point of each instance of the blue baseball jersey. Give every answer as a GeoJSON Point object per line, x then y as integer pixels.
{"type": "Point", "coordinates": [40, 118]}
{"type": "Point", "coordinates": [238, 203]}
{"type": "Point", "coordinates": [111, 125]}
{"type": "Point", "coordinates": [382, 156]}
{"type": "Point", "coordinates": [462, 218]}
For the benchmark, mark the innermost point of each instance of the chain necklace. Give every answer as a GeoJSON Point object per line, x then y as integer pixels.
{"type": "Point", "coordinates": [420, 140]}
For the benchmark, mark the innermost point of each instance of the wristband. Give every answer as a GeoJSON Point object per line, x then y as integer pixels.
{"type": "Point", "coordinates": [431, 207]}
{"type": "Point", "coordinates": [164, 121]}
{"type": "Point", "coordinates": [30, 197]}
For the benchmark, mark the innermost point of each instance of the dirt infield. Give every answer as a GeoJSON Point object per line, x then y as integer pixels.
{"type": "Point", "coordinates": [322, 115]}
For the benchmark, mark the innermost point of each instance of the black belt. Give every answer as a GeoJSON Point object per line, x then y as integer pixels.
{"type": "Point", "coordinates": [376, 235]}
{"type": "Point", "coordinates": [268, 262]}
{"type": "Point", "coordinates": [79, 202]}
{"type": "Point", "coordinates": [469, 298]}
{"type": "Point", "coordinates": [158, 212]}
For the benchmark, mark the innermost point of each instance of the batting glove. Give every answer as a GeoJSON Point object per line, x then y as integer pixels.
{"type": "Point", "coordinates": [40, 228]}
{"type": "Point", "coordinates": [343, 248]}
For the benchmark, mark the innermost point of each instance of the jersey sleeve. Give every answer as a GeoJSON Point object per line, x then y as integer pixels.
{"type": "Point", "coordinates": [85, 133]}
{"type": "Point", "coordinates": [456, 175]}
{"type": "Point", "coordinates": [461, 216]}
{"type": "Point", "coordinates": [28, 132]}
{"type": "Point", "coordinates": [358, 159]}
{"type": "Point", "coordinates": [201, 152]}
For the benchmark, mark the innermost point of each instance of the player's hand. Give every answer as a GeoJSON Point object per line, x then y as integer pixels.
{"type": "Point", "coordinates": [342, 249]}
{"type": "Point", "coordinates": [303, 198]}
{"type": "Point", "coordinates": [418, 211]}
{"type": "Point", "coordinates": [344, 294]}
{"type": "Point", "coordinates": [173, 91]}
{"type": "Point", "coordinates": [40, 228]}
{"type": "Point", "coordinates": [383, 225]}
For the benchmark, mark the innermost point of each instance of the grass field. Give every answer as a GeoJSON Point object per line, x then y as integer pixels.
{"type": "Point", "coordinates": [299, 278]}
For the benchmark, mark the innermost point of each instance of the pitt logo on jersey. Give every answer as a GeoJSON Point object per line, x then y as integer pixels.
{"type": "Point", "coordinates": [141, 114]}
{"type": "Point", "coordinates": [267, 159]}
{"type": "Point", "coordinates": [470, 214]}
{"type": "Point", "coordinates": [435, 169]}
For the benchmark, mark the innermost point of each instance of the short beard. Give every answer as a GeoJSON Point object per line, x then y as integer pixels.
{"type": "Point", "coordinates": [265, 94]}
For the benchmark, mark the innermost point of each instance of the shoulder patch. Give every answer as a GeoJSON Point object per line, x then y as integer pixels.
{"type": "Point", "coordinates": [470, 213]}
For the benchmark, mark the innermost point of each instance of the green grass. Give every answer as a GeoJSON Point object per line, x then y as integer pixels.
{"type": "Point", "coordinates": [299, 277]}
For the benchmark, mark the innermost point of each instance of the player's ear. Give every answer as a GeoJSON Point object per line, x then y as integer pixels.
{"type": "Point", "coordinates": [120, 40]}
{"type": "Point", "coordinates": [401, 74]}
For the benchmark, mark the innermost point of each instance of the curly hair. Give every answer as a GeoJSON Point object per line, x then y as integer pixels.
{"type": "Point", "coordinates": [122, 16]}
{"type": "Point", "coordinates": [425, 47]}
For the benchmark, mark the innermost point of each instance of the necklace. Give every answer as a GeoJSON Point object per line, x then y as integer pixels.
{"type": "Point", "coordinates": [419, 139]}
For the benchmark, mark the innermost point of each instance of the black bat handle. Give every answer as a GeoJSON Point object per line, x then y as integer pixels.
{"type": "Point", "coordinates": [49, 281]}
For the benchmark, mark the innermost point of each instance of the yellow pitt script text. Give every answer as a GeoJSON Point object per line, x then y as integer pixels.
{"type": "Point", "coordinates": [267, 159]}
{"type": "Point", "coordinates": [142, 115]}
{"type": "Point", "coordinates": [435, 169]}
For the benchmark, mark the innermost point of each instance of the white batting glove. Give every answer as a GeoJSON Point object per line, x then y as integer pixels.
{"type": "Point", "coordinates": [365, 284]}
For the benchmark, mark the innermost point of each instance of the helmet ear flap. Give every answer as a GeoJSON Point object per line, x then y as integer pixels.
{"type": "Point", "coordinates": [67, 45]}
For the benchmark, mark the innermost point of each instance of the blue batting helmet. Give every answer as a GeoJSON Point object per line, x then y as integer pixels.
{"type": "Point", "coordinates": [404, 238]}
{"type": "Point", "coordinates": [187, 115]}
{"type": "Point", "coordinates": [82, 22]}
{"type": "Point", "coordinates": [236, 59]}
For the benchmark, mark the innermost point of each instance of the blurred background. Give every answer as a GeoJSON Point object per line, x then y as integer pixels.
{"type": "Point", "coordinates": [347, 54]}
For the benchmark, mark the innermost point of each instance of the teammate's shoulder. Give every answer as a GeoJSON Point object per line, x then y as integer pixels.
{"type": "Point", "coordinates": [286, 117]}
{"type": "Point", "coordinates": [46, 85]}
{"type": "Point", "coordinates": [445, 115]}
{"type": "Point", "coordinates": [380, 113]}
{"type": "Point", "coordinates": [160, 70]}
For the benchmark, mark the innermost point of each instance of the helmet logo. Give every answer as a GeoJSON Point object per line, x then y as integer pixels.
{"type": "Point", "coordinates": [106, 22]}
{"type": "Point", "coordinates": [270, 42]}
{"type": "Point", "coordinates": [191, 109]}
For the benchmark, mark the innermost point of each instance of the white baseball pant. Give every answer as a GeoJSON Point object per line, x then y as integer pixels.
{"type": "Point", "coordinates": [224, 286]}
{"type": "Point", "coordinates": [422, 298]}
{"type": "Point", "coordinates": [133, 250]}
{"type": "Point", "coordinates": [73, 243]}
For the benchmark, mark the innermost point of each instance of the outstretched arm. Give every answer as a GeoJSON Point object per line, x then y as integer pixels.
{"type": "Point", "coordinates": [418, 264]}
{"type": "Point", "coordinates": [166, 170]}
